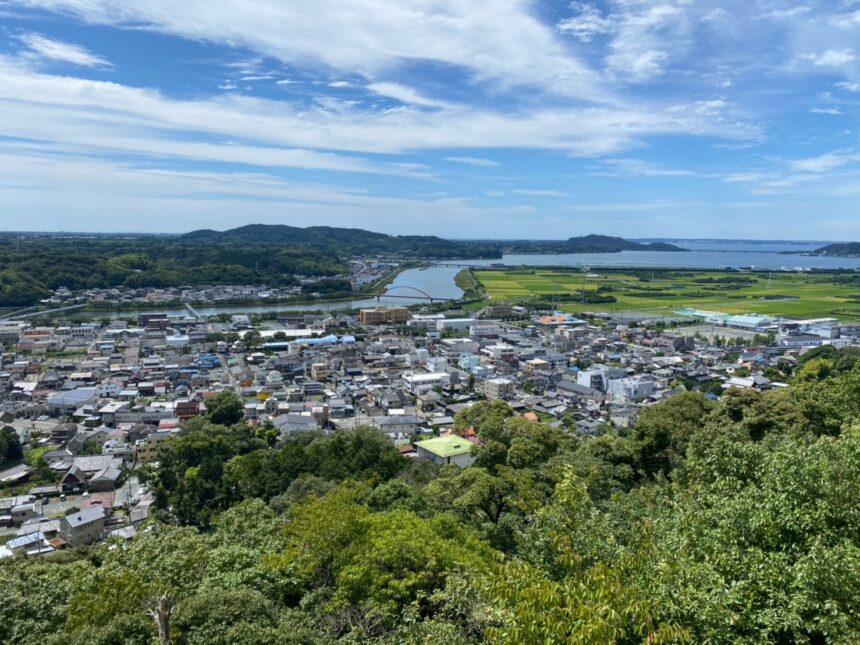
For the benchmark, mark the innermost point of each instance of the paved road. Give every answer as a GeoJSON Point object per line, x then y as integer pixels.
{"type": "Point", "coordinates": [126, 491]}
{"type": "Point", "coordinates": [56, 508]}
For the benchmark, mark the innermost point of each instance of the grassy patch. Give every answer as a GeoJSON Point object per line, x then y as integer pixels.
{"type": "Point", "coordinates": [32, 456]}
{"type": "Point", "coordinates": [809, 295]}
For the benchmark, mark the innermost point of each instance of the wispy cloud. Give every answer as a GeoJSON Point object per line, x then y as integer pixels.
{"type": "Point", "coordinates": [507, 44]}
{"type": "Point", "coordinates": [641, 168]}
{"type": "Point", "coordinates": [831, 58]}
{"type": "Point", "coordinates": [404, 94]}
{"type": "Point", "coordinates": [475, 161]}
{"type": "Point", "coordinates": [533, 192]}
{"type": "Point", "coordinates": [45, 48]}
{"type": "Point", "coordinates": [829, 110]}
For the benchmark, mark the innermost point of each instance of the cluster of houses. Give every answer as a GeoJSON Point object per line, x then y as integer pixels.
{"type": "Point", "coordinates": [145, 296]}
{"type": "Point", "coordinates": [98, 401]}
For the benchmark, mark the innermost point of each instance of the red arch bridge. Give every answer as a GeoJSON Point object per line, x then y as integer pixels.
{"type": "Point", "coordinates": [415, 294]}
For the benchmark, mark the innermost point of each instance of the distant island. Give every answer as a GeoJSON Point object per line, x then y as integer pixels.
{"type": "Point", "coordinates": [839, 250]}
{"type": "Point", "coordinates": [592, 244]}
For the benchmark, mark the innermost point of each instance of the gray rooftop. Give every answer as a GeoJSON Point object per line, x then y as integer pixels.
{"type": "Point", "coordinates": [81, 518]}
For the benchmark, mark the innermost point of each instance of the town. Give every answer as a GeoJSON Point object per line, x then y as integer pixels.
{"type": "Point", "coordinates": [86, 407]}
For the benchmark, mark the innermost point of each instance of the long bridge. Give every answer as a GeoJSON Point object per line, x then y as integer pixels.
{"type": "Point", "coordinates": [35, 312]}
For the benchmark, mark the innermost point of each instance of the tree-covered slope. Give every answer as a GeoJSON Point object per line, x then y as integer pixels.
{"type": "Point", "coordinates": [841, 250]}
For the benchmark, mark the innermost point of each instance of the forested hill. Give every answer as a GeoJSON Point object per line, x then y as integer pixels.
{"type": "Point", "coordinates": [359, 241]}
{"type": "Point", "coordinates": [31, 267]}
{"type": "Point", "coordinates": [347, 240]}
{"type": "Point", "coordinates": [840, 250]}
{"type": "Point", "coordinates": [592, 244]}
{"type": "Point", "coordinates": [730, 521]}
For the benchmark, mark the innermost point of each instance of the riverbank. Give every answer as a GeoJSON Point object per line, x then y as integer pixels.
{"type": "Point", "coordinates": [472, 288]}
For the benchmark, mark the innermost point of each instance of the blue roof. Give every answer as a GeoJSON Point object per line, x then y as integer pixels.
{"type": "Point", "coordinates": [72, 397]}
{"type": "Point", "coordinates": [325, 340]}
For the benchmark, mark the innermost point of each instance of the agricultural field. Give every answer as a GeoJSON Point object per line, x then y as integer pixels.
{"type": "Point", "coordinates": [806, 295]}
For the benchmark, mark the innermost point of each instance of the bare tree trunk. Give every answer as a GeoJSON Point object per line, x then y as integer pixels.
{"type": "Point", "coordinates": [161, 614]}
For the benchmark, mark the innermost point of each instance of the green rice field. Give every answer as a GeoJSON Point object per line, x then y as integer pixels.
{"type": "Point", "coordinates": [806, 295]}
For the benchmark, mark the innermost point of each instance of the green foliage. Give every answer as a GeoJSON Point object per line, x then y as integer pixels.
{"type": "Point", "coordinates": [30, 267]}
{"type": "Point", "coordinates": [208, 467]}
{"type": "Point", "coordinates": [663, 431]}
{"type": "Point", "coordinates": [370, 567]}
{"type": "Point", "coordinates": [10, 445]}
{"type": "Point", "coordinates": [36, 597]}
{"type": "Point", "coordinates": [225, 409]}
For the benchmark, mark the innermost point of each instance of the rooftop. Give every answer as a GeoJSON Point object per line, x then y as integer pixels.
{"type": "Point", "coordinates": [446, 446]}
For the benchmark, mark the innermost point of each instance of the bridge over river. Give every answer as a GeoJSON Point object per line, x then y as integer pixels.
{"type": "Point", "coordinates": [414, 293]}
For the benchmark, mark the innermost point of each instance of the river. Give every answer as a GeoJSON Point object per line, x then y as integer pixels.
{"type": "Point", "coordinates": [438, 281]}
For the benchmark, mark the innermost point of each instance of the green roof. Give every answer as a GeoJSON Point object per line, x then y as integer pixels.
{"type": "Point", "coordinates": [446, 446]}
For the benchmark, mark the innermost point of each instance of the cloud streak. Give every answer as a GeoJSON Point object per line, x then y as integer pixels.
{"type": "Point", "coordinates": [40, 47]}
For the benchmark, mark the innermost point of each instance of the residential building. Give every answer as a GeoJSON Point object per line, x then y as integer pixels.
{"type": "Point", "coordinates": [384, 316]}
{"type": "Point", "coordinates": [83, 527]}
{"type": "Point", "coordinates": [446, 450]}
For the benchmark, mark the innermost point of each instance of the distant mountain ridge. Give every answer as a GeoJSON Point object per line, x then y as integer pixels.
{"type": "Point", "coordinates": [840, 250]}
{"type": "Point", "coordinates": [360, 241]}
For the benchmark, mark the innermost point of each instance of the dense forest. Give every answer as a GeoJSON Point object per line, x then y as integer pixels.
{"type": "Point", "coordinates": [729, 521]}
{"type": "Point", "coordinates": [32, 266]}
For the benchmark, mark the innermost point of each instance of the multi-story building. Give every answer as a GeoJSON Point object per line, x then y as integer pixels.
{"type": "Point", "coordinates": [83, 527]}
{"type": "Point", "coordinates": [497, 389]}
{"type": "Point", "coordinates": [384, 316]}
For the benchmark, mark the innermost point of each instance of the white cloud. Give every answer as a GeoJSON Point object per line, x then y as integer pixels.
{"type": "Point", "coordinates": [638, 51]}
{"type": "Point", "coordinates": [832, 111]}
{"type": "Point", "coordinates": [624, 207]}
{"type": "Point", "coordinates": [641, 168]}
{"type": "Point", "coordinates": [788, 14]}
{"type": "Point", "coordinates": [848, 20]}
{"type": "Point", "coordinates": [339, 84]}
{"type": "Point", "coordinates": [43, 47]}
{"type": "Point", "coordinates": [531, 192]}
{"type": "Point", "coordinates": [164, 199]}
{"type": "Point", "coordinates": [404, 94]}
{"type": "Point", "coordinates": [831, 58]}
{"type": "Point", "coordinates": [849, 87]}
{"type": "Point", "coordinates": [825, 163]}
{"type": "Point", "coordinates": [475, 161]}
{"type": "Point", "coordinates": [242, 129]}
{"type": "Point", "coordinates": [499, 41]}
{"type": "Point", "coordinates": [587, 23]}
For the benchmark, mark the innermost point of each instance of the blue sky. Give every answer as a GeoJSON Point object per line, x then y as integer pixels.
{"type": "Point", "coordinates": [462, 118]}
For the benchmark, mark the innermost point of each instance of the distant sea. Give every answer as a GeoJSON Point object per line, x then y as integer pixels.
{"type": "Point", "coordinates": [706, 254]}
